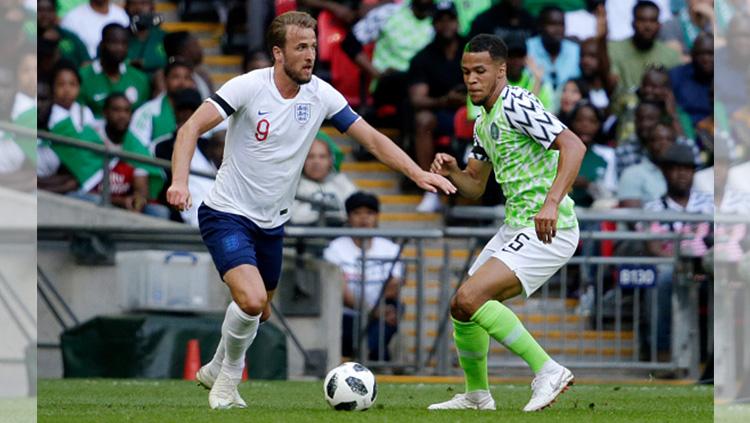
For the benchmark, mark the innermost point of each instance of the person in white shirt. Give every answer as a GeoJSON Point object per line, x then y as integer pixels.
{"type": "Point", "coordinates": [88, 20]}
{"type": "Point", "coordinates": [274, 114]}
{"type": "Point", "coordinates": [383, 277]}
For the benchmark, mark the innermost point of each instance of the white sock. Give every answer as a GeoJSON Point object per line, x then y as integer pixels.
{"type": "Point", "coordinates": [550, 366]}
{"type": "Point", "coordinates": [238, 332]}
{"type": "Point", "coordinates": [214, 366]}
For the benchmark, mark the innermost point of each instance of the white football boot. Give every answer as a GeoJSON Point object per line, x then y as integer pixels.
{"type": "Point", "coordinates": [224, 394]}
{"type": "Point", "coordinates": [475, 400]}
{"type": "Point", "coordinates": [547, 386]}
{"type": "Point", "coordinates": [204, 377]}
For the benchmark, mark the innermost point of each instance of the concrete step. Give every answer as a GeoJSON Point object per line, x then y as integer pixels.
{"type": "Point", "coordinates": [203, 30]}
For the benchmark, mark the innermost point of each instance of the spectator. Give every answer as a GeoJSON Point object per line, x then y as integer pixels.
{"type": "Point", "coordinates": [12, 157]}
{"type": "Point", "coordinates": [468, 11]}
{"type": "Point", "coordinates": [692, 83]}
{"type": "Point", "coordinates": [595, 73]}
{"type": "Point", "coordinates": [257, 59]}
{"type": "Point", "coordinates": [110, 73]}
{"type": "Point", "coordinates": [146, 44]}
{"type": "Point", "coordinates": [383, 276]}
{"type": "Point", "coordinates": [436, 92]}
{"type": "Point", "coordinates": [321, 188]}
{"type": "Point", "coordinates": [156, 118]}
{"type": "Point", "coordinates": [394, 47]}
{"type": "Point", "coordinates": [631, 57]}
{"type": "Point", "coordinates": [573, 91]}
{"type": "Point", "coordinates": [643, 182]}
{"type": "Point", "coordinates": [504, 19]}
{"type": "Point", "coordinates": [183, 46]}
{"type": "Point", "coordinates": [88, 20]}
{"type": "Point", "coordinates": [733, 60]}
{"type": "Point", "coordinates": [679, 169]}
{"type": "Point", "coordinates": [131, 184]}
{"type": "Point", "coordinates": [621, 29]}
{"type": "Point", "coordinates": [51, 175]}
{"type": "Point", "coordinates": [345, 11]}
{"type": "Point", "coordinates": [69, 118]}
{"type": "Point", "coordinates": [557, 57]}
{"type": "Point", "coordinates": [71, 47]}
{"type": "Point", "coordinates": [597, 178]}
{"type": "Point", "coordinates": [680, 31]}
{"type": "Point", "coordinates": [25, 98]}
{"type": "Point", "coordinates": [521, 73]}
{"type": "Point", "coordinates": [655, 87]}
{"type": "Point", "coordinates": [207, 157]}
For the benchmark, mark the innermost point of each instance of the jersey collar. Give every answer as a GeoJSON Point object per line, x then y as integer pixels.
{"type": "Point", "coordinates": [96, 65]}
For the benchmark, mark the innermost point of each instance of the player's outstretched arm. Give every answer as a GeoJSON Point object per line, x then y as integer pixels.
{"type": "Point", "coordinates": [387, 152]}
{"type": "Point", "coordinates": [572, 151]}
{"type": "Point", "coordinates": [205, 118]}
{"type": "Point", "coordinates": [471, 182]}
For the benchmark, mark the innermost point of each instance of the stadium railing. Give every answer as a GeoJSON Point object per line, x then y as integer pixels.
{"type": "Point", "coordinates": [598, 339]}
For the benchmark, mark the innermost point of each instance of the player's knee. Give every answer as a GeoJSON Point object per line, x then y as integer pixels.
{"type": "Point", "coordinates": [461, 306]}
{"type": "Point", "coordinates": [253, 304]}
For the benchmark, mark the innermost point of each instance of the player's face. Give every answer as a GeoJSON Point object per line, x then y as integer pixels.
{"type": "Point", "coordinates": [363, 217]}
{"type": "Point", "coordinates": [118, 114]}
{"type": "Point", "coordinates": [298, 54]}
{"type": "Point", "coordinates": [115, 45]}
{"type": "Point", "coordinates": [318, 162]}
{"type": "Point", "coordinates": [65, 89]}
{"type": "Point", "coordinates": [481, 75]}
{"type": "Point", "coordinates": [179, 78]}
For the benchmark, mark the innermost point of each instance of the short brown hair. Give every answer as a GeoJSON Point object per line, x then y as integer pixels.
{"type": "Point", "coordinates": [276, 35]}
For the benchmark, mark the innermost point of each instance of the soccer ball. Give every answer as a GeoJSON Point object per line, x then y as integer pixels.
{"type": "Point", "coordinates": [350, 386]}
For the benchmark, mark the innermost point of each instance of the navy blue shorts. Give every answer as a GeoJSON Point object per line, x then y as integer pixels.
{"type": "Point", "coordinates": [233, 240]}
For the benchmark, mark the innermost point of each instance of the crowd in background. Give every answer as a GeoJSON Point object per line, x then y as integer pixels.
{"type": "Point", "coordinates": [633, 79]}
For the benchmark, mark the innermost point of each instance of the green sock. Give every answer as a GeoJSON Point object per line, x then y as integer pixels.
{"type": "Point", "coordinates": [472, 344]}
{"type": "Point", "coordinates": [503, 325]}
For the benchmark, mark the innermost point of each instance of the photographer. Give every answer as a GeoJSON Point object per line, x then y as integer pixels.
{"type": "Point", "coordinates": [146, 43]}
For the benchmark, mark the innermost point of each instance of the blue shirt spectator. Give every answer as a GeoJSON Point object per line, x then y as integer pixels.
{"type": "Point", "coordinates": [691, 83]}
{"type": "Point", "coordinates": [558, 58]}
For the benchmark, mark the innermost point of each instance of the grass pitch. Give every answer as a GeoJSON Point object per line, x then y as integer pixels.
{"type": "Point", "coordinates": [80, 401]}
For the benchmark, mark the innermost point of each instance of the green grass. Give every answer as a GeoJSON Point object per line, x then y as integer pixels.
{"type": "Point", "coordinates": [18, 410]}
{"type": "Point", "coordinates": [98, 401]}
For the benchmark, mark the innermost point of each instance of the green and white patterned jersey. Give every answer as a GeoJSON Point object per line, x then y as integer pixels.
{"type": "Point", "coordinates": [515, 137]}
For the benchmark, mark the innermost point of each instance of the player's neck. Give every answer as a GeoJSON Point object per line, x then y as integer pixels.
{"type": "Point", "coordinates": [492, 99]}
{"type": "Point", "coordinates": [286, 86]}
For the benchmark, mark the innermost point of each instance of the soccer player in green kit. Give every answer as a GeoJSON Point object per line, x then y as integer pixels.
{"type": "Point", "coordinates": [536, 160]}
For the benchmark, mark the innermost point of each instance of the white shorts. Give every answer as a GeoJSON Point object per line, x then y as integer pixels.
{"type": "Point", "coordinates": [532, 261]}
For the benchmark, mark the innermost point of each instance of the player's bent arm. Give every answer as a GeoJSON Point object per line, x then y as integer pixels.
{"type": "Point", "coordinates": [572, 151]}
{"type": "Point", "coordinates": [472, 181]}
{"type": "Point", "coordinates": [383, 148]}
{"type": "Point", "coordinates": [205, 118]}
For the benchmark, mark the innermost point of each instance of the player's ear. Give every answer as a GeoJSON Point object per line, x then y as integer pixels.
{"type": "Point", "coordinates": [502, 69]}
{"type": "Point", "coordinates": [278, 54]}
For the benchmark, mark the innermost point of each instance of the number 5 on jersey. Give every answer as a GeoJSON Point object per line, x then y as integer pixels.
{"type": "Point", "coordinates": [262, 130]}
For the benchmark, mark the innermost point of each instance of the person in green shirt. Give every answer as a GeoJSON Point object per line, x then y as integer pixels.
{"type": "Point", "coordinates": [156, 119]}
{"type": "Point", "coordinates": [631, 57]}
{"type": "Point", "coordinates": [109, 73]}
{"type": "Point", "coordinates": [146, 44]}
{"type": "Point", "coordinates": [70, 46]}
{"type": "Point", "coordinates": [535, 159]}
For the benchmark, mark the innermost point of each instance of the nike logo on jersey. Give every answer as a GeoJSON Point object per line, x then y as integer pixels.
{"type": "Point", "coordinates": [262, 113]}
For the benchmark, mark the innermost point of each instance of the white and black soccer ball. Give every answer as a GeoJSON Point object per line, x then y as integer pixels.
{"type": "Point", "coordinates": [350, 386]}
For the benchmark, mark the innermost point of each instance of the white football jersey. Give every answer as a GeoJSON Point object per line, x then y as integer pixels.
{"type": "Point", "coordinates": [267, 141]}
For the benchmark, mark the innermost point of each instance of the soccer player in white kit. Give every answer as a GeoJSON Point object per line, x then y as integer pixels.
{"type": "Point", "coordinates": [274, 114]}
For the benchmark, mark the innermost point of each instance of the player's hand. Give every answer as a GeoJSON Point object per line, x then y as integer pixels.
{"type": "Point", "coordinates": [433, 182]}
{"type": "Point", "coordinates": [178, 196]}
{"type": "Point", "coordinates": [444, 164]}
{"type": "Point", "coordinates": [546, 222]}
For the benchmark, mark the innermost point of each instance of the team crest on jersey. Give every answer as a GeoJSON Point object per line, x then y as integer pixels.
{"type": "Point", "coordinates": [494, 131]}
{"type": "Point", "coordinates": [302, 112]}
